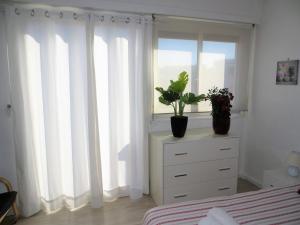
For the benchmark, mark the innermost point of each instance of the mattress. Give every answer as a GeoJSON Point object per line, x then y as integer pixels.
{"type": "Point", "coordinates": [266, 206]}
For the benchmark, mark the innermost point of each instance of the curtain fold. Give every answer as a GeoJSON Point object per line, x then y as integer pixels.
{"type": "Point", "coordinates": [79, 95]}
{"type": "Point", "coordinates": [94, 144]}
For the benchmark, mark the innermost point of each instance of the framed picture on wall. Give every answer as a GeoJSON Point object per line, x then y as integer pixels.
{"type": "Point", "coordinates": [287, 72]}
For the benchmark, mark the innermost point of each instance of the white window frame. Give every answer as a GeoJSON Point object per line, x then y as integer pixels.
{"type": "Point", "coordinates": [239, 34]}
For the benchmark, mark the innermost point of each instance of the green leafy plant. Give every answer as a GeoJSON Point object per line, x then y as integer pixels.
{"type": "Point", "coordinates": [175, 97]}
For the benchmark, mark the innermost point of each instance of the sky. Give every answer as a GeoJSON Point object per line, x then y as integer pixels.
{"type": "Point", "coordinates": [226, 48]}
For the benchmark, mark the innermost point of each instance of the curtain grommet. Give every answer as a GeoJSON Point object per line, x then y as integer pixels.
{"type": "Point", "coordinates": [127, 20]}
{"type": "Point", "coordinates": [17, 12]}
{"type": "Point", "coordinates": [75, 16]}
{"type": "Point", "coordinates": [101, 18]}
{"type": "Point", "coordinates": [32, 12]}
{"type": "Point", "coordinates": [113, 19]}
{"type": "Point", "coordinates": [61, 15]}
{"type": "Point", "coordinates": [47, 14]}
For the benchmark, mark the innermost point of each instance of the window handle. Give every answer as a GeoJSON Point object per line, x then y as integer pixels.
{"type": "Point", "coordinates": [223, 188]}
{"type": "Point", "coordinates": [225, 149]}
{"type": "Point", "coordinates": [224, 169]}
{"type": "Point", "coordinates": [179, 154]}
{"type": "Point", "coordinates": [180, 175]}
{"type": "Point", "coordinates": [180, 196]}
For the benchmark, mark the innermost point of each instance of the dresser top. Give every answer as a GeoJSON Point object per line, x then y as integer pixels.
{"type": "Point", "coordinates": [190, 135]}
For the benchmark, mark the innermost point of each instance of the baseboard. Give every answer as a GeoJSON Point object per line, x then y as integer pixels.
{"type": "Point", "coordinates": [251, 179]}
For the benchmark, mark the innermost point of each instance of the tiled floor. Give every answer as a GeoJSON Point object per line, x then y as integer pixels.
{"type": "Point", "coordinates": [123, 211]}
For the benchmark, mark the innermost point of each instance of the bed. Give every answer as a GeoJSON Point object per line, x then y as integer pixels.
{"type": "Point", "coordinates": [266, 206]}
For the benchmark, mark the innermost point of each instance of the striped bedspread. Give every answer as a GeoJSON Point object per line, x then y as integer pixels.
{"type": "Point", "coordinates": [266, 206]}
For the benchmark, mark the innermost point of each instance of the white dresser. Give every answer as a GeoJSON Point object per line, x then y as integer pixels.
{"type": "Point", "coordinates": [200, 165]}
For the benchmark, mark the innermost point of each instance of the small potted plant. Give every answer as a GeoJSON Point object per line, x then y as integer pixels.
{"type": "Point", "coordinates": [175, 97]}
{"type": "Point", "coordinates": [221, 107]}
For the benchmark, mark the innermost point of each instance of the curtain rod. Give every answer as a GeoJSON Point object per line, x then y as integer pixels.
{"type": "Point", "coordinates": [195, 19]}
{"type": "Point", "coordinates": [86, 9]}
{"type": "Point", "coordinates": [153, 15]}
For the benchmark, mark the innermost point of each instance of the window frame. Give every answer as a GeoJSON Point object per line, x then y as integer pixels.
{"type": "Point", "coordinates": [240, 34]}
{"type": "Point", "coordinates": [194, 75]}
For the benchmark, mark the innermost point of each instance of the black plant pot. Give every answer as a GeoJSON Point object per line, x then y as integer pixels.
{"type": "Point", "coordinates": [178, 124]}
{"type": "Point", "coordinates": [221, 125]}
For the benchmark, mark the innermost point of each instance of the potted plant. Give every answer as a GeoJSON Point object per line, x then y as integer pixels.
{"type": "Point", "coordinates": [221, 107]}
{"type": "Point", "coordinates": [175, 97]}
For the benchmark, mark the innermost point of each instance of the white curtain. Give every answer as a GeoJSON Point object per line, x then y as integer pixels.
{"type": "Point", "coordinates": [121, 48]}
{"type": "Point", "coordinates": [48, 69]}
{"type": "Point", "coordinates": [65, 103]}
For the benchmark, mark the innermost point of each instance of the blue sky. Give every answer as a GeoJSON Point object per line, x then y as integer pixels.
{"type": "Point", "coordinates": [226, 48]}
{"type": "Point", "coordinates": [191, 46]}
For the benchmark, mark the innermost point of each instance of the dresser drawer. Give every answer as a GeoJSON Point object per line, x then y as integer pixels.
{"type": "Point", "coordinates": [203, 150]}
{"type": "Point", "coordinates": [178, 175]}
{"type": "Point", "coordinates": [200, 191]}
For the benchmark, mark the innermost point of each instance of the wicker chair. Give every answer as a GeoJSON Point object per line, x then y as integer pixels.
{"type": "Point", "coordinates": [8, 201]}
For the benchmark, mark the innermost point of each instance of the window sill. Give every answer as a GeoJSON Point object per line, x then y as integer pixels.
{"type": "Point", "coordinates": [157, 118]}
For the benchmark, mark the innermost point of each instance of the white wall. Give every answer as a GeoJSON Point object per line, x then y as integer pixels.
{"type": "Point", "coordinates": [232, 10]}
{"type": "Point", "coordinates": [274, 118]}
{"type": "Point", "coordinates": [7, 157]}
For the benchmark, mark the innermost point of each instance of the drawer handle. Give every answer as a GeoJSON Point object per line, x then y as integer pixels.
{"type": "Point", "coordinates": [223, 188]}
{"type": "Point", "coordinates": [181, 175]}
{"type": "Point", "coordinates": [225, 149]}
{"type": "Point", "coordinates": [224, 169]}
{"type": "Point", "coordinates": [179, 154]}
{"type": "Point", "coordinates": [180, 196]}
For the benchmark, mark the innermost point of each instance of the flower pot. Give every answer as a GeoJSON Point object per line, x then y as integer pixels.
{"type": "Point", "coordinates": [221, 125]}
{"type": "Point", "coordinates": [178, 124]}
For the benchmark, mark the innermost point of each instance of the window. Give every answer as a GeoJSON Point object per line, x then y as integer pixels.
{"type": "Point", "coordinates": [212, 54]}
{"type": "Point", "coordinates": [216, 68]}
{"type": "Point", "coordinates": [174, 56]}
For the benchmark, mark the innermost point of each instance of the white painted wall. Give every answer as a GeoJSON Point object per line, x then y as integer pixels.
{"type": "Point", "coordinates": [274, 118]}
{"type": "Point", "coordinates": [231, 10]}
